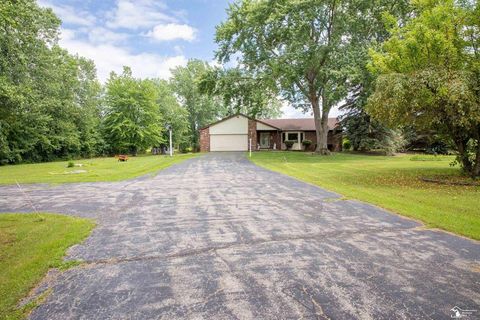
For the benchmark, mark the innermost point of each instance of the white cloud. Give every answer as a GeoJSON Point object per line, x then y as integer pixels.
{"type": "Point", "coordinates": [135, 14]}
{"type": "Point", "coordinates": [172, 31]}
{"type": "Point", "coordinates": [70, 15]}
{"type": "Point", "coordinates": [66, 34]}
{"type": "Point", "coordinates": [108, 57]}
{"type": "Point", "coordinates": [214, 63]}
{"type": "Point", "coordinates": [98, 38]}
{"type": "Point", "coordinates": [103, 35]}
{"type": "Point", "coordinates": [289, 112]}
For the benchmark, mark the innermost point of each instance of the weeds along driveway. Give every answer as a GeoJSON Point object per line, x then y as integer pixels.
{"type": "Point", "coordinates": [218, 237]}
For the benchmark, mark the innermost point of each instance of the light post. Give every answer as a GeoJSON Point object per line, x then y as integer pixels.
{"type": "Point", "coordinates": [250, 147]}
{"type": "Point", "coordinates": [170, 147]}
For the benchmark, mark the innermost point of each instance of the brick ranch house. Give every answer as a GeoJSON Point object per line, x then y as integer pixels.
{"type": "Point", "coordinates": [233, 134]}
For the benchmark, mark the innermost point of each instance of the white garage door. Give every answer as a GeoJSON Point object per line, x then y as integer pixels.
{"type": "Point", "coordinates": [228, 142]}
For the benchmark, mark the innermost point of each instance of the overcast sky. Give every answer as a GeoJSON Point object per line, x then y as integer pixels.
{"type": "Point", "coordinates": [150, 36]}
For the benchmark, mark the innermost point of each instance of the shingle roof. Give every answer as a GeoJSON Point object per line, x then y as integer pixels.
{"type": "Point", "coordinates": [299, 124]}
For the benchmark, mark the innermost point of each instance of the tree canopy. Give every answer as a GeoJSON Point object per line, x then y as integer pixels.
{"type": "Point", "coordinates": [429, 75]}
{"type": "Point", "coordinates": [48, 98]}
{"type": "Point", "coordinates": [202, 109]}
{"type": "Point", "coordinates": [241, 92]}
{"type": "Point", "coordinates": [172, 114]}
{"type": "Point", "coordinates": [132, 116]}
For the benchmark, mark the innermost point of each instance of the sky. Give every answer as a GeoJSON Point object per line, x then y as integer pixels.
{"type": "Point", "coordinates": [150, 36]}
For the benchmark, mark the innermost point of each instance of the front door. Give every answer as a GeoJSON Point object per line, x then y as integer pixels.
{"type": "Point", "coordinates": [264, 140]}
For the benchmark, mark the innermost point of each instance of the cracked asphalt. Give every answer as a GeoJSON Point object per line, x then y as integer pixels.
{"type": "Point", "coordinates": [216, 237]}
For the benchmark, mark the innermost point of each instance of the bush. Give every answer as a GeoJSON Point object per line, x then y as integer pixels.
{"type": "Point", "coordinates": [289, 144]}
{"type": "Point", "coordinates": [307, 143]}
{"type": "Point", "coordinates": [437, 147]}
{"type": "Point", "coordinates": [71, 164]}
{"type": "Point", "coordinates": [186, 150]}
{"type": "Point", "coordinates": [346, 145]}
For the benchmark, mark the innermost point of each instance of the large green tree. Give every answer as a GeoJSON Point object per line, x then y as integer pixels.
{"type": "Point", "coordinates": [26, 31]}
{"type": "Point", "coordinates": [363, 131]}
{"type": "Point", "coordinates": [241, 92]}
{"type": "Point", "coordinates": [172, 114]}
{"type": "Point", "coordinates": [306, 48]}
{"type": "Point", "coordinates": [202, 108]}
{"type": "Point", "coordinates": [48, 98]}
{"type": "Point", "coordinates": [132, 120]}
{"type": "Point", "coordinates": [429, 75]}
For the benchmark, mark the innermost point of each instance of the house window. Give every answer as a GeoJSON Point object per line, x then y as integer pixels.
{"type": "Point", "coordinates": [284, 136]}
{"type": "Point", "coordinates": [293, 136]}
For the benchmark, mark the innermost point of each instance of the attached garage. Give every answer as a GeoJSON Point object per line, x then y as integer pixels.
{"type": "Point", "coordinates": [230, 134]}
{"type": "Point", "coordinates": [229, 142]}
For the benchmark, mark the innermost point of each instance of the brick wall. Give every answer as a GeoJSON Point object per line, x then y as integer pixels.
{"type": "Point", "coordinates": [334, 139]}
{"type": "Point", "coordinates": [310, 135]}
{"type": "Point", "coordinates": [252, 133]}
{"type": "Point", "coordinates": [276, 137]}
{"type": "Point", "coordinates": [205, 140]}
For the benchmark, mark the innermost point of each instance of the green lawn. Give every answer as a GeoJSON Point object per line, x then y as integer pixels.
{"type": "Point", "coordinates": [30, 244]}
{"type": "Point", "coordinates": [97, 169]}
{"type": "Point", "coordinates": [389, 182]}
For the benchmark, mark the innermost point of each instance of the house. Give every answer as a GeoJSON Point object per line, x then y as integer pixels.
{"type": "Point", "coordinates": [234, 133]}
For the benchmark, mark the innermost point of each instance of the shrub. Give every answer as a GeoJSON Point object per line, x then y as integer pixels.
{"type": "Point", "coordinates": [71, 164]}
{"type": "Point", "coordinates": [346, 145]}
{"type": "Point", "coordinates": [289, 143]}
{"type": "Point", "coordinates": [185, 147]}
{"type": "Point", "coordinates": [307, 143]}
{"type": "Point", "coordinates": [437, 147]}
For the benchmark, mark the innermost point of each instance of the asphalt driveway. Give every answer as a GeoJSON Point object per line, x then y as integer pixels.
{"type": "Point", "coordinates": [217, 237]}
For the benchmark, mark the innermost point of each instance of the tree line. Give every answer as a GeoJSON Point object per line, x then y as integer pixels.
{"type": "Point", "coordinates": [52, 105]}
{"type": "Point", "coordinates": [397, 68]}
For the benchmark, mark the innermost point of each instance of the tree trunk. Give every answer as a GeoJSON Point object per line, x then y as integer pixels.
{"type": "Point", "coordinates": [317, 118]}
{"type": "Point", "coordinates": [476, 164]}
{"type": "Point", "coordinates": [324, 130]}
{"type": "Point", "coordinates": [321, 124]}
{"type": "Point", "coordinates": [462, 149]}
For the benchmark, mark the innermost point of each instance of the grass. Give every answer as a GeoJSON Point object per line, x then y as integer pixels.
{"type": "Point", "coordinates": [96, 169]}
{"type": "Point", "coordinates": [393, 183]}
{"type": "Point", "coordinates": [30, 244]}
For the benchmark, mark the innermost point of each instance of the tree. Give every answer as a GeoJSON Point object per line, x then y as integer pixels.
{"type": "Point", "coordinates": [241, 92]}
{"type": "Point", "coordinates": [48, 98]}
{"type": "Point", "coordinates": [304, 47]}
{"type": "Point", "coordinates": [88, 100]}
{"type": "Point", "coordinates": [172, 114]}
{"type": "Point", "coordinates": [202, 108]}
{"type": "Point", "coordinates": [26, 31]}
{"type": "Point", "coordinates": [366, 134]}
{"type": "Point", "coordinates": [132, 118]}
{"type": "Point", "coordinates": [429, 75]}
